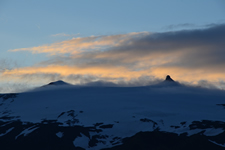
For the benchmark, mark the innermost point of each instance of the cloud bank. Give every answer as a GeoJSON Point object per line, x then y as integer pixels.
{"type": "Point", "coordinates": [189, 56]}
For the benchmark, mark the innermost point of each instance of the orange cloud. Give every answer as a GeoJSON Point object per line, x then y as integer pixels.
{"type": "Point", "coordinates": [188, 56]}
{"type": "Point", "coordinates": [80, 44]}
{"type": "Point", "coordinates": [114, 74]}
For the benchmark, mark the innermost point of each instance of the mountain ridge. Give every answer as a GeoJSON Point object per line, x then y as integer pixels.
{"type": "Point", "coordinates": [113, 118]}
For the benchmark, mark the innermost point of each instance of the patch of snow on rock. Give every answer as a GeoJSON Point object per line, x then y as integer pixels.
{"type": "Point", "coordinates": [223, 145]}
{"type": "Point", "coordinates": [27, 131]}
{"type": "Point", "coordinates": [2, 134]}
{"type": "Point", "coordinates": [213, 132]}
{"type": "Point", "coordinates": [59, 134]}
{"type": "Point", "coordinates": [81, 141]}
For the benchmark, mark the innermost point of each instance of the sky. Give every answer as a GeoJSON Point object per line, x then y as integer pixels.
{"type": "Point", "coordinates": [126, 42]}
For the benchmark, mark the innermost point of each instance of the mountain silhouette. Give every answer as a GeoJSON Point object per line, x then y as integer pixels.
{"type": "Point", "coordinates": [169, 79]}
{"type": "Point", "coordinates": [59, 82]}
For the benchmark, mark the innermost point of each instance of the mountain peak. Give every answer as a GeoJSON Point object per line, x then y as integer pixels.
{"type": "Point", "coordinates": [59, 82]}
{"type": "Point", "coordinates": [168, 78]}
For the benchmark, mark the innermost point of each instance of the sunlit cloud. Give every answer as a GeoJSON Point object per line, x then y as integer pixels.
{"type": "Point", "coordinates": [81, 44]}
{"type": "Point", "coordinates": [190, 56]}
{"type": "Point", "coordinates": [103, 72]}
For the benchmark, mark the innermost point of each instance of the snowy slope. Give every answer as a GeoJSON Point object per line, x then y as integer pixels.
{"type": "Point", "coordinates": [72, 117]}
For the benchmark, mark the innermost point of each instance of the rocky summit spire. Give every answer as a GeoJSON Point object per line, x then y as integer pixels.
{"type": "Point", "coordinates": [168, 78]}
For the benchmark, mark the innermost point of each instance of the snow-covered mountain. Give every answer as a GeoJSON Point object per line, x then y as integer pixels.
{"type": "Point", "coordinates": [60, 116]}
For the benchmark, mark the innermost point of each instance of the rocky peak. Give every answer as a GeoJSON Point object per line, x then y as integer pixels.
{"type": "Point", "coordinates": [168, 78]}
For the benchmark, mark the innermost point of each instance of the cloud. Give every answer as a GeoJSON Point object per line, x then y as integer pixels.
{"type": "Point", "coordinates": [65, 71]}
{"type": "Point", "coordinates": [81, 44]}
{"type": "Point", "coordinates": [206, 84]}
{"type": "Point", "coordinates": [179, 26]}
{"type": "Point", "coordinates": [7, 64]}
{"type": "Point", "coordinates": [189, 56]}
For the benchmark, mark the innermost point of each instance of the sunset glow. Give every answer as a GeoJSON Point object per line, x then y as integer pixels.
{"type": "Point", "coordinates": [191, 54]}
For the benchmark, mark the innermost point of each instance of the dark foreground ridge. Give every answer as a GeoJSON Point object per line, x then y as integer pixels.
{"type": "Point", "coordinates": [157, 140]}
{"type": "Point", "coordinates": [44, 136]}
